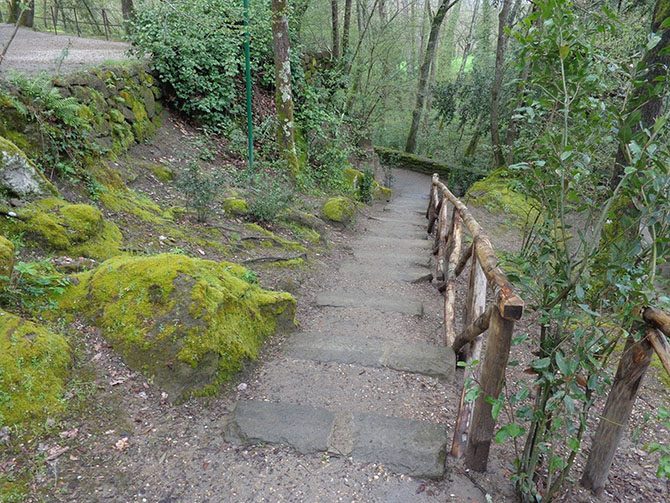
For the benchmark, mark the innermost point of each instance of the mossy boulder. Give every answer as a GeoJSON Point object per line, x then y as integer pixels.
{"type": "Point", "coordinates": [6, 257]}
{"type": "Point", "coordinates": [235, 206]}
{"type": "Point", "coordinates": [75, 229]}
{"type": "Point", "coordinates": [163, 173]}
{"type": "Point", "coordinates": [499, 193]}
{"type": "Point", "coordinates": [187, 323]}
{"type": "Point", "coordinates": [354, 177]}
{"type": "Point", "coordinates": [339, 210]}
{"type": "Point", "coordinates": [18, 175]}
{"type": "Point", "coordinates": [34, 365]}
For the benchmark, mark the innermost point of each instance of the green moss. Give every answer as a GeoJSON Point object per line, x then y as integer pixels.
{"type": "Point", "coordinates": [10, 153]}
{"type": "Point", "coordinates": [235, 206]}
{"type": "Point", "coordinates": [33, 367]}
{"type": "Point", "coordinates": [163, 173]}
{"type": "Point", "coordinates": [497, 193]}
{"type": "Point", "coordinates": [303, 232]}
{"type": "Point", "coordinates": [279, 241]}
{"type": "Point", "coordinates": [292, 263]}
{"type": "Point", "coordinates": [131, 203]}
{"type": "Point", "coordinates": [189, 323]}
{"type": "Point", "coordinates": [339, 209]}
{"type": "Point", "coordinates": [6, 257]}
{"type": "Point", "coordinates": [76, 229]}
{"type": "Point", "coordinates": [353, 177]}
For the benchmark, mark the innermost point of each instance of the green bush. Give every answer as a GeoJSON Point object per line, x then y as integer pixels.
{"type": "Point", "coordinates": [271, 197]}
{"type": "Point", "coordinates": [200, 189]}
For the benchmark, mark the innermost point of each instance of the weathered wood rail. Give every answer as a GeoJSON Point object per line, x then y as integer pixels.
{"type": "Point", "coordinates": [632, 366]}
{"type": "Point", "coordinates": [475, 424]}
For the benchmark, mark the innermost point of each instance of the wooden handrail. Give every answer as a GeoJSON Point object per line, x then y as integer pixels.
{"type": "Point", "coordinates": [510, 304]}
{"type": "Point", "coordinates": [474, 425]}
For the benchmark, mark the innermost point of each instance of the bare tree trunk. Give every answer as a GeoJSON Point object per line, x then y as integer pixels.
{"type": "Point", "coordinates": [283, 92]}
{"type": "Point", "coordinates": [382, 11]}
{"type": "Point", "coordinates": [346, 28]}
{"type": "Point", "coordinates": [503, 20]}
{"type": "Point", "coordinates": [429, 56]}
{"type": "Point", "coordinates": [127, 9]}
{"type": "Point", "coordinates": [17, 24]}
{"type": "Point", "coordinates": [468, 41]}
{"type": "Point", "coordinates": [335, 17]}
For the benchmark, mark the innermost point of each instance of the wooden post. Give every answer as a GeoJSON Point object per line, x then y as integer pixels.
{"type": "Point", "coordinates": [632, 367]}
{"type": "Point", "coordinates": [441, 238]}
{"type": "Point", "coordinates": [474, 307]}
{"type": "Point", "coordinates": [54, 19]}
{"type": "Point", "coordinates": [453, 256]}
{"type": "Point", "coordinates": [491, 382]}
{"type": "Point", "coordinates": [104, 22]}
{"type": "Point", "coordinates": [76, 22]}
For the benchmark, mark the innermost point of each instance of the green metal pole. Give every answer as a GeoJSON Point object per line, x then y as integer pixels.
{"type": "Point", "coordinates": [247, 71]}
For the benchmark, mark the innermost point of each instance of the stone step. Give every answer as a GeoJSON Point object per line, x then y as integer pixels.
{"type": "Point", "coordinates": [425, 359]}
{"type": "Point", "coordinates": [395, 232]}
{"type": "Point", "coordinates": [395, 243]}
{"type": "Point", "coordinates": [415, 448]}
{"type": "Point", "coordinates": [357, 298]}
{"type": "Point", "coordinates": [411, 274]}
{"type": "Point", "coordinates": [399, 221]}
{"type": "Point", "coordinates": [400, 260]}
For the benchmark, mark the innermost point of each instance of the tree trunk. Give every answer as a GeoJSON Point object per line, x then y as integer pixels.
{"type": "Point", "coordinates": [424, 75]}
{"type": "Point", "coordinates": [503, 21]}
{"type": "Point", "coordinates": [347, 27]}
{"type": "Point", "coordinates": [335, 17]}
{"type": "Point", "coordinates": [644, 98]}
{"type": "Point", "coordinates": [127, 9]}
{"type": "Point", "coordinates": [25, 11]}
{"type": "Point", "coordinates": [382, 11]}
{"type": "Point", "coordinates": [283, 92]}
{"type": "Point", "coordinates": [468, 42]}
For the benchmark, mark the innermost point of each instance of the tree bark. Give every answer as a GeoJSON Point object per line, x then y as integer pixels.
{"type": "Point", "coordinates": [283, 91]}
{"type": "Point", "coordinates": [503, 21]}
{"type": "Point", "coordinates": [127, 9]}
{"type": "Point", "coordinates": [424, 75]}
{"type": "Point", "coordinates": [644, 99]}
{"type": "Point", "coordinates": [347, 27]}
{"type": "Point", "coordinates": [468, 42]}
{"type": "Point", "coordinates": [620, 400]}
{"type": "Point", "coordinates": [335, 20]}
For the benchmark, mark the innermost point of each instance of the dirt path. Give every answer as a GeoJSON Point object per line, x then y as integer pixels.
{"type": "Point", "coordinates": [349, 408]}
{"type": "Point", "coordinates": [33, 52]}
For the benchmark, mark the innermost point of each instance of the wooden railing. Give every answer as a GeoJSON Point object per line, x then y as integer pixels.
{"type": "Point", "coordinates": [632, 366]}
{"type": "Point", "coordinates": [475, 424]}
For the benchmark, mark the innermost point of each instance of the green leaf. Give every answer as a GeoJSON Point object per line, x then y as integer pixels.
{"type": "Point", "coordinates": [563, 51]}
{"type": "Point", "coordinates": [562, 364]}
{"type": "Point", "coordinates": [541, 364]}
{"type": "Point", "coordinates": [511, 430]}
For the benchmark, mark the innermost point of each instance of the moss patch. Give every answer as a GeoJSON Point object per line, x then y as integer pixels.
{"type": "Point", "coordinates": [497, 193]}
{"type": "Point", "coordinates": [276, 240]}
{"type": "Point", "coordinates": [131, 203]}
{"type": "Point", "coordinates": [186, 322]}
{"type": "Point", "coordinates": [6, 257]}
{"type": "Point", "coordinates": [235, 206]}
{"type": "Point", "coordinates": [339, 209]}
{"type": "Point", "coordinates": [33, 367]}
{"type": "Point", "coordinates": [76, 229]}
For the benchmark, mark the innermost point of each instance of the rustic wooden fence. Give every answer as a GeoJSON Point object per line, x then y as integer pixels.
{"type": "Point", "coordinates": [475, 424]}
{"type": "Point", "coordinates": [448, 219]}
{"type": "Point", "coordinates": [78, 17]}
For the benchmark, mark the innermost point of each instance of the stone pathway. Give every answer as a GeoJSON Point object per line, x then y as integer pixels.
{"type": "Point", "coordinates": [377, 318]}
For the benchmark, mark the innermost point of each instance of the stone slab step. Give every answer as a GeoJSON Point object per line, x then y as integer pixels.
{"type": "Point", "coordinates": [395, 232]}
{"type": "Point", "coordinates": [412, 274]}
{"type": "Point", "coordinates": [416, 448]}
{"type": "Point", "coordinates": [306, 429]}
{"type": "Point", "coordinates": [395, 243]}
{"type": "Point", "coordinates": [402, 260]}
{"type": "Point", "coordinates": [425, 359]}
{"type": "Point", "coordinates": [345, 298]}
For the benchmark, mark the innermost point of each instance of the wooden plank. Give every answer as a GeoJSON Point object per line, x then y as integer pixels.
{"type": "Point", "coordinates": [464, 259]}
{"type": "Point", "coordinates": [450, 293]}
{"type": "Point", "coordinates": [474, 308]}
{"type": "Point", "coordinates": [632, 367]}
{"type": "Point", "coordinates": [441, 240]}
{"type": "Point", "coordinates": [491, 382]}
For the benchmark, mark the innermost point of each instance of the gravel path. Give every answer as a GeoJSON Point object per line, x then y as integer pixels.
{"type": "Point", "coordinates": [33, 52]}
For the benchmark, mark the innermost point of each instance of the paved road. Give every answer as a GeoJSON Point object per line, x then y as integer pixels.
{"type": "Point", "coordinates": [33, 52]}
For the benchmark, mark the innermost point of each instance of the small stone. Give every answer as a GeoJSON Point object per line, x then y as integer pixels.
{"type": "Point", "coordinates": [242, 386]}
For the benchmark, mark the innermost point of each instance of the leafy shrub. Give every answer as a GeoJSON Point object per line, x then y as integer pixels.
{"type": "Point", "coordinates": [200, 189]}
{"type": "Point", "coordinates": [366, 186]}
{"type": "Point", "coordinates": [32, 286]}
{"type": "Point", "coordinates": [271, 197]}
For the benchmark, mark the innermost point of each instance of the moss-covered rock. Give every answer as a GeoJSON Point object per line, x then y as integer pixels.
{"type": "Point", "coordinates": [354, 177]}
{"type": "Point", "coordinates": [6, 258]}
{"type": "Point", "coordinates": [56, 225]}
{"type": "Point", "coordinates": [339, 209]}
{"type": "Point", "coordinates": [18, 175]}
{"type": "Point", "coordinates": [498, 193]}
{"type": "Point", "coordinates": [186, 322]}
{"type": "Point", "coordinates": [34, 365]}
{"type": "Point", "coordinates": [235, 206]}
{"type": "Point", "coordinates": [163, 173]}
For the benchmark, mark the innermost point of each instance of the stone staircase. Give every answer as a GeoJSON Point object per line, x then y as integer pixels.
{"type": "Point", "coordinates": [366, 378]}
